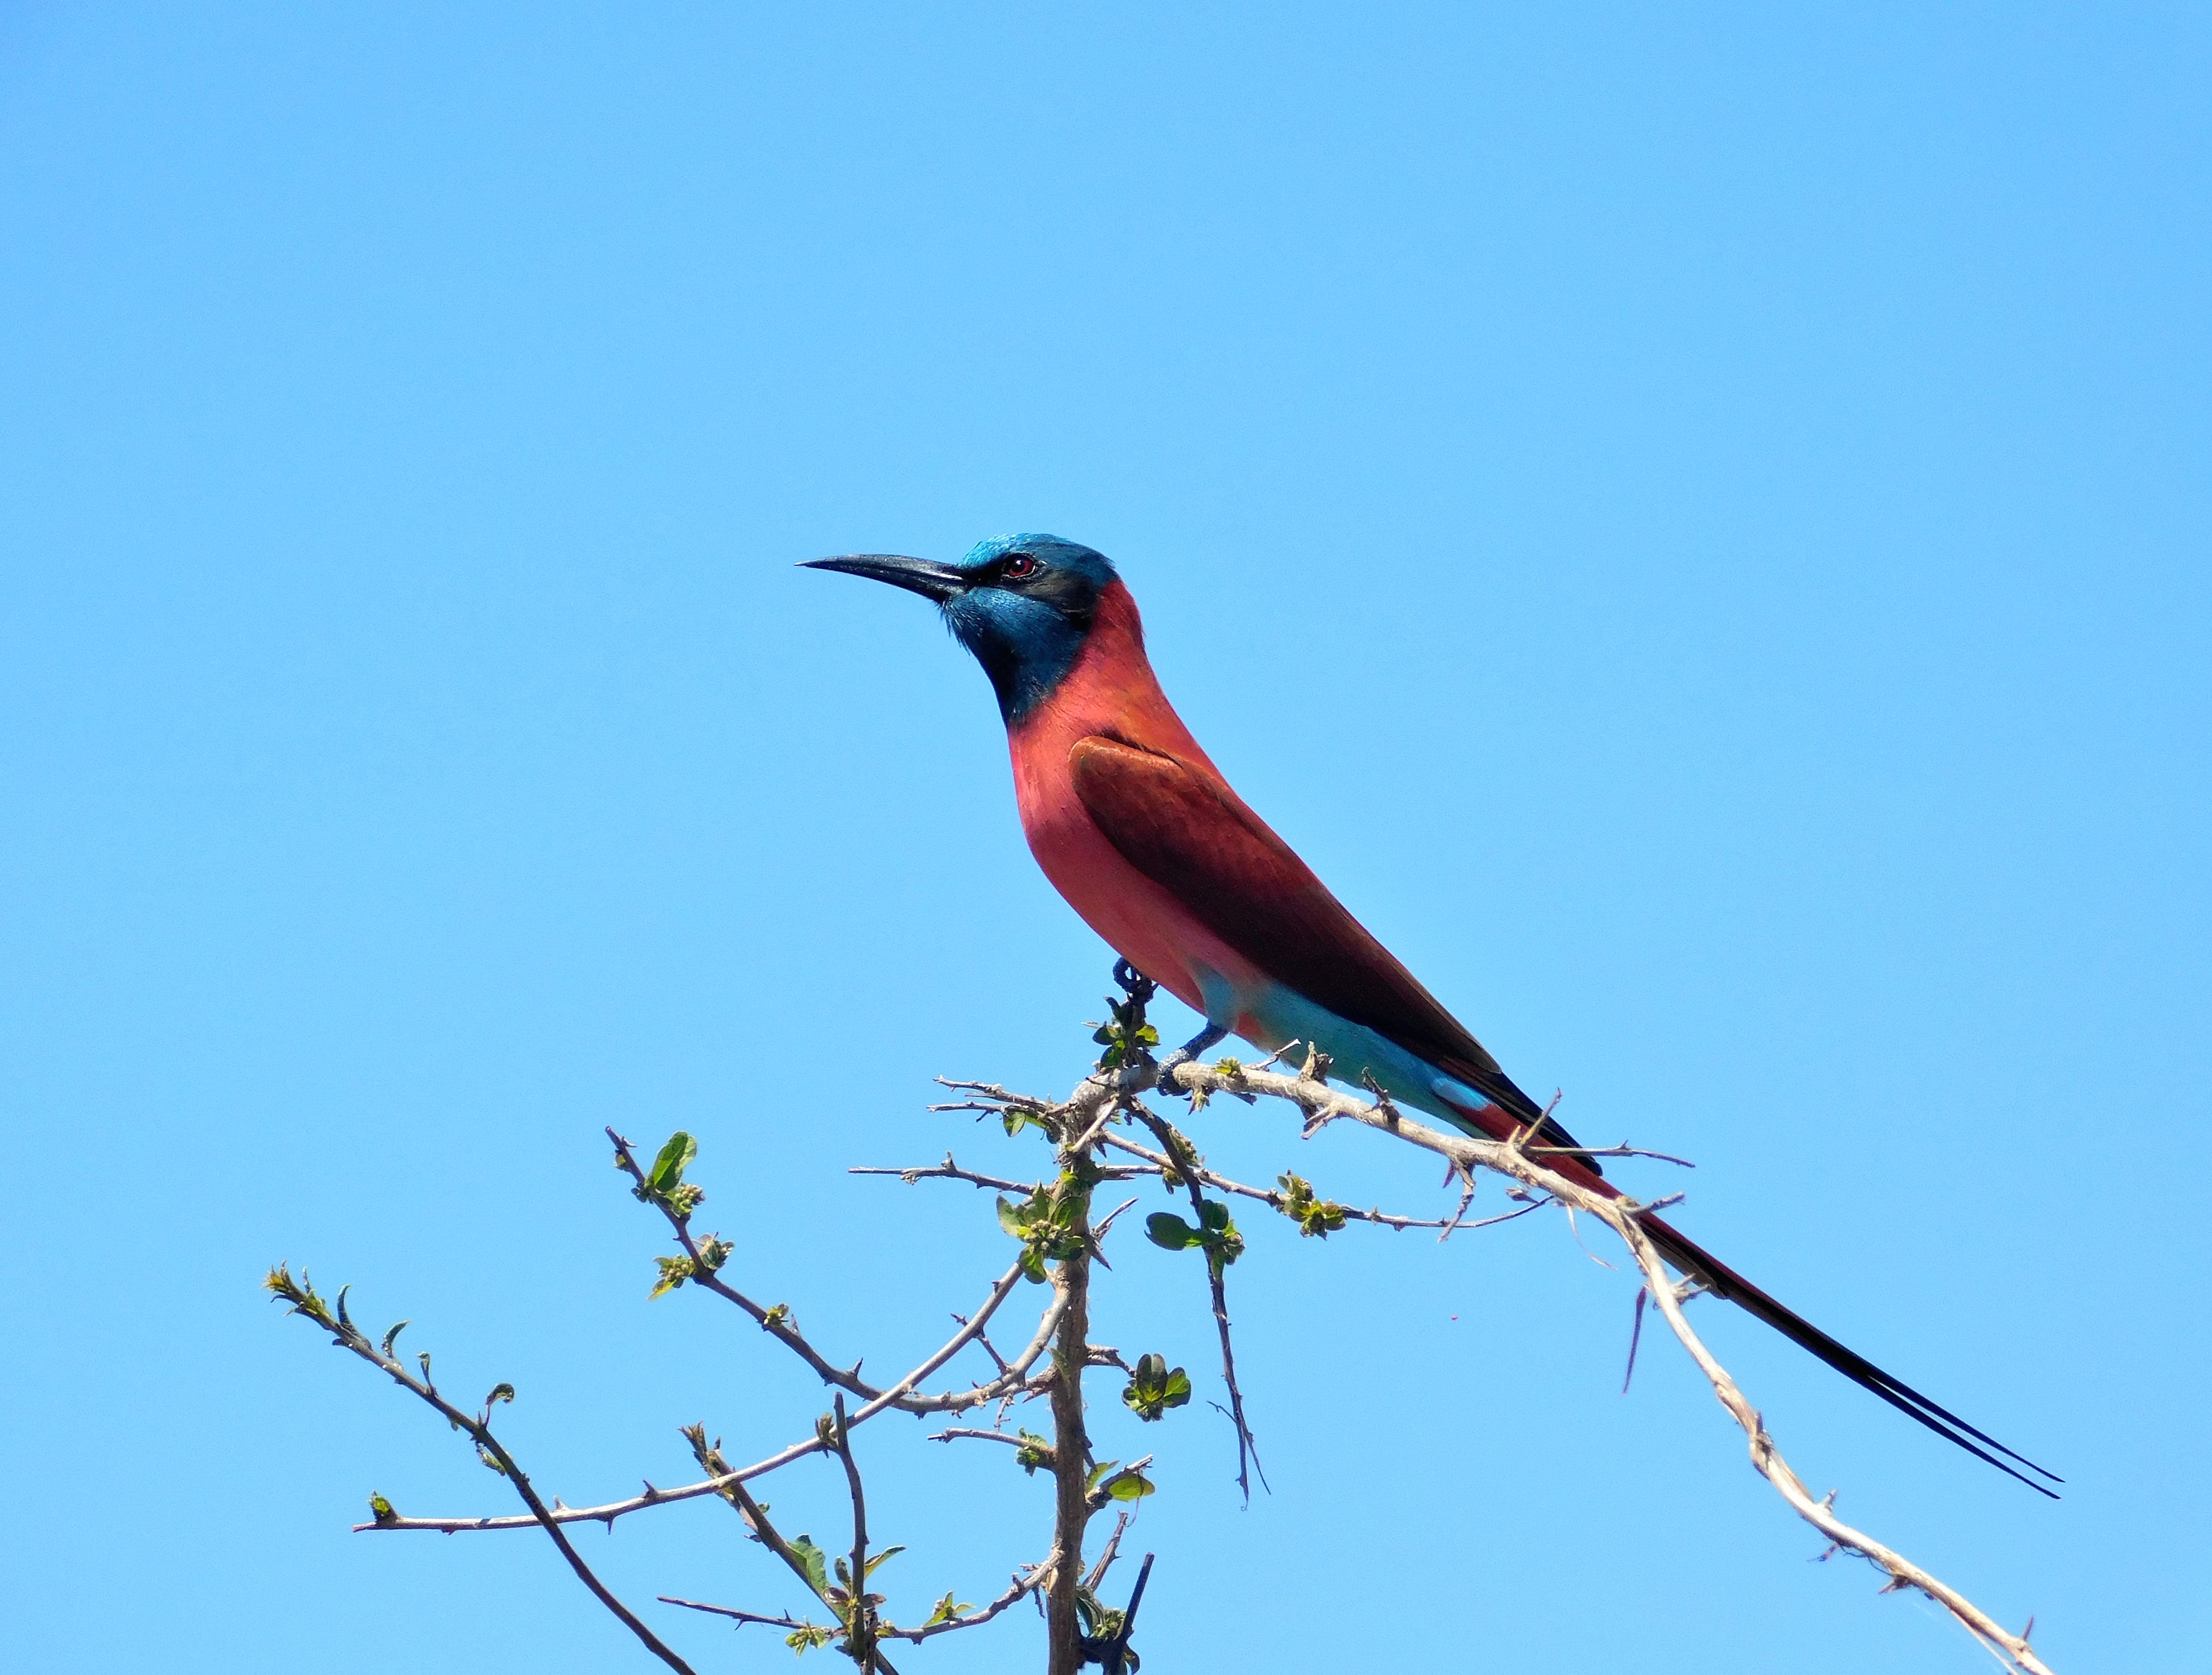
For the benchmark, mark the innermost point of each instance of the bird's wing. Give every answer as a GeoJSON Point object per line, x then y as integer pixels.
{"type": "Point", "coordinates": [1191, 836]}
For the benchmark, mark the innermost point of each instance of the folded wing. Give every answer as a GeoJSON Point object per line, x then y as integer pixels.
{"type": "Point", "coordinates": [1183, 829]}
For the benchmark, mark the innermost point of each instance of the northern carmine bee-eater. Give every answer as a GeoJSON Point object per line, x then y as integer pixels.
{"type": "Point", "coordinates": [1140, 832]}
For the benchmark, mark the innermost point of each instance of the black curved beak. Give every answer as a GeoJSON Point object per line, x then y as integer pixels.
{"type": "Point", "coordinates": [917, 575]}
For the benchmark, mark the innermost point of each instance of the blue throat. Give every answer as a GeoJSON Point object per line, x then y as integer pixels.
{"type": "Point", "coordinates": [1027, 637]}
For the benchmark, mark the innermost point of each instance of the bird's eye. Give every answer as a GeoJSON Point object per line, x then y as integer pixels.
{"type": "Point", "coordinates": [1019, 567]}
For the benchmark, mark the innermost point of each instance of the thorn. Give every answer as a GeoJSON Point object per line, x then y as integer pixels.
{"type": "Point", "coordinates": [1635, 1336]}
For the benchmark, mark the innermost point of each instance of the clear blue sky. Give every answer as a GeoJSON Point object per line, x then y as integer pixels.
{"type": "Point", "coordinates": [1694, 522]}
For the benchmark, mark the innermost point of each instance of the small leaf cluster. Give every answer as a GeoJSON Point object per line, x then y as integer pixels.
{"type": "Point", "coordinates": [840, 1595]}
{"type": "Point", "coordinates": [664, 1183]}
{"type": "Point", "coordinates": [1215, 1234]}
{"type": "Point", "coordinates": [303, 1299]}
{"type": "Point", "coordinates": [1317, 1217]}
{"type": "Point", "coordinates": [1046, 1223]}
{"type": "Point", "coordinates": [675, 1270]}
{"type": "Point", "coordinates": [1035, 1451]}
{"type": "Point", "coordinates": [1154, 1388]}
{"type": "Point", "coordinates": [947, 1609]}
{"type": "Point", "coordinates": [1124, 1034]}
{"type": "Point", "coordinates": [300, 1294]}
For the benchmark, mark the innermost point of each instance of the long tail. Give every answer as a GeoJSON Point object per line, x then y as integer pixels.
{"type": "Point", "coordinates": [1723, 1281]}
{"type": "Point", "coordinates": [1495, 1123]}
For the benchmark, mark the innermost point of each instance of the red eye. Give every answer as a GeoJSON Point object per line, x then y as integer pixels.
{"type": "Point", "coordinates": [1020, 566]}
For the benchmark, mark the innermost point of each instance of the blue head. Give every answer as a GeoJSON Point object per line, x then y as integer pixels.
{"type": "Point", "coordinates": [1022, 604]}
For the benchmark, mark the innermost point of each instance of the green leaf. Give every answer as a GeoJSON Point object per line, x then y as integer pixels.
{"type": "Point", "coordinates": [1170, 1232]}
{"type": "Point", "coordinates": [1131, 1486]}
{"type": "Point", "coordinates": [382, 1510]}
{"type": "Point", "coordinates": [816, 1565]}
{"type": "Point", "coordinates": [674, 1271]}
{"type": "Point", "coordinates": [1098, 1475]}
{"type": "Point", "coordinates": [888, 1553]}
{"type": "Point", "coordinates": [1014, 1220]}
{"type": "Point", "coordinates": [807, 1639]}
{"type": "Point", "coordinates": [392, 1337]}
{"type": "Point", "coordinates": [1213, 1214]}
{"type": "Point", "coordinates": [499, 1392]}
{"type": "Point", "coordinates": [675, 1157]}
{"type": "Point", "coordinates": [713, 1252]}
{"type": "Point", "coordinates": [491, 1458]}
{"type": "Point", "coordinates": [1034, 1452]}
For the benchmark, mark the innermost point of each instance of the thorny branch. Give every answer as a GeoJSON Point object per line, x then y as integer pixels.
{"type": "Point", "coordinates": [1056, 1227]}
{"type": "Point", "coordinates": [1070, 1456]}
{"type": "Point", "coordinates": [1276, 1198]}
{"type": "Point", "coordinates": [777, 1321]}
{"type": "Point", "coordinates": [1172, 1144]}
{"type": "Point", "coordinates": [301, 1295]}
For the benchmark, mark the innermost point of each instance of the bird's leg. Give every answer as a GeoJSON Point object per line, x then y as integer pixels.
{"type": "Point", "coordinates": [1207, 1039]}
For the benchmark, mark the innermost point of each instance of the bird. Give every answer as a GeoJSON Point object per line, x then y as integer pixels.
{"type": "Point", "coordinates": [1136, 828]}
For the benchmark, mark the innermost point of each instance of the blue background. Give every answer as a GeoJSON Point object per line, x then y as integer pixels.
{"type": "Point", "coordinates": [1695, 521]}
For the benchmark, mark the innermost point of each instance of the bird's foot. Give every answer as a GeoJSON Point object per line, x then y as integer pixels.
{"type": "Point", "coordinates": [1133, 982]}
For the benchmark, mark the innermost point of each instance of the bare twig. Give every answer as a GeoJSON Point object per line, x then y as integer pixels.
{"type": "Point", "coordinates": [1108, 1554]}
{"type": "Point", "coordinates": [957, 1431]}
{"type": "Point", "coordinates": [1248, 1449]}
{"type": "Point", "coordinates": [1014, 1381]}
{"type": "Point", "coordinates": [1022, 1584]}
{"type": "Point", "coordinates": [778, 1324]}
{"type": "Point", "coordinates": [302, 1296]}
{"type": "Point", "coordinates": [949, 1170]}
